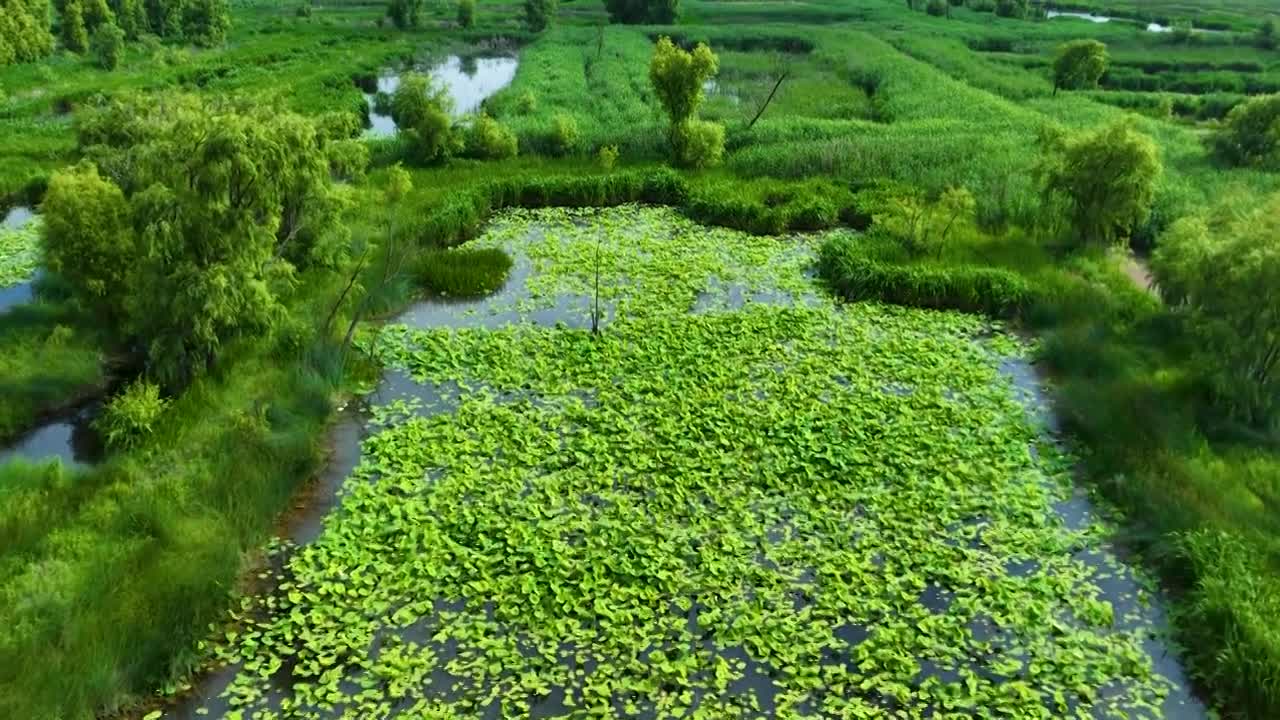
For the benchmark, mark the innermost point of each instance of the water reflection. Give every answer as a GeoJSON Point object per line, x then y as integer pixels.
{"type": "Point", "coordinates": [71, 440]}
{"type": "Point", "coordinates": [17, 217]}
{"type": "Point", "coordinates": [469, 81]}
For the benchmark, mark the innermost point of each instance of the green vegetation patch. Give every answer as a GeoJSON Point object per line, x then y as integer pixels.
{"type": "Point", "coordinates": [776, 509]}
{"type": "Point", "coordinates": [19, 252]}
{"type": "Point", "coordinates": [463, 272]}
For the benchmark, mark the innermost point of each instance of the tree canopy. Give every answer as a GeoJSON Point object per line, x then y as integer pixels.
{"type": "Point", "coordinates": [421, 111]}
{"type": "Point", "coordinates": [194, 226]}
{"type": "Point", "coordinates": [24, 31]}
{"type": "Point", "coordinates": [1100, 183]}
{"type": "Point", "coordinates": [677, 76]}
{"type": "Point", "coordinates": [1079, 64]}
{"type": "Point", "coordinates": [1251, 134]}
{"type": "Point", "coordinates": [1222, 274]}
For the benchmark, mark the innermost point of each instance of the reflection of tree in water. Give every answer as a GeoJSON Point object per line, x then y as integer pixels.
{"type": "Point", "coordinates": [469, 66]}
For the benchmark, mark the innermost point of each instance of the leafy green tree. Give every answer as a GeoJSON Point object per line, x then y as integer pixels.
{"type": "Point", "coordinates": [467, 13]}
{"type": "Point", "coordinates": [938, 8]}
{"type": "Point", "coordinates": [538, 14]}
{"type": "Point", "coordinates": [1222, 275]}
{"type": "Point", "coordinates": [1011, 8]}
{"type": "Point", "coordinates": [165, 17]}
{"type": "Point", "coordinates": [1251, 134]}
{"type": "Point", "coordinates": [1079, 64]}
{"type": "Point", "coordinates": [24, 31]}
{"type": "Point", "coordinates": [421, 111]}
{"type": "Point", "coordinates": [96, 13]}
{"type": "Point", "coordinates": [87, 238]}
{"type": "Point", "coordinates": [108, 44]}
{"type": "Point", "coordinates": [131, 16]}
{"type": "Point", "coordinates": [650, 12]}
{"type": "Point", "coordinates": [1100, 183]}
{"type": "Point", "coordinates": [225, 201]}
{"type": "Point", "coordinates": [404, 14]}
{"type": "Point", "coordinates": [677, 77]}
{"type": "Point", "coordinates": [206, 22]}
{"type": "Point", "coordinates": [74, 35]}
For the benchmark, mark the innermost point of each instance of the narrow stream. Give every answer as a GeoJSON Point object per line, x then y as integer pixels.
{"type": "Point", "coordinates": [1119, 584]}
{"type": "Point", "coordinates": [469, 81]}
{"type": "Point", "coordinates": [69, 438]}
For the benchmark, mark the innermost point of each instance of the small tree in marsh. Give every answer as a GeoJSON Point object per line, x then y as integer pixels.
{"type": "Point", "coordinates": [404, 14]}
{"type": "Point", "coordinates": [1267, 37]}
{"type": "Point", "coordinates": [1078, 65]}
{"type": "Point", "coordinates": [421, 111]}
{"type": "Point", "coordinates": [205, 22]}
{"type": "Point", "coordinates": [1221, 274]}
{"type": "Point", "coordinates": [108, 44]}
{"type": "Point", "coordinates": [538, 14]}
{"type": "Point", "coordinates": [1251, 134]}
{"type": "Point", "coordinates": [677, 77]}
{"type": "Point", "coordinates": [1101, 183]}
{"type": "Point", "coordinates": [467, 13]}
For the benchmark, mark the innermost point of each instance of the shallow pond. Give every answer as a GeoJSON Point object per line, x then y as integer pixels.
{"type": "Point", "coordinates": [18, 216]}
{"type": "Point", "coordinates": [740, 496]}
{"type": "Point", "coordinates": [469, 81]}
{"type": "Point", "coordinates": [69, 438]}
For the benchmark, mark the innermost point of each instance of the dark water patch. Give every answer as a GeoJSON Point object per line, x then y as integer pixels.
{"type": "Point", "coordinates": [69, 438]}
{"type": "Point", "coordinates": [15, 295]}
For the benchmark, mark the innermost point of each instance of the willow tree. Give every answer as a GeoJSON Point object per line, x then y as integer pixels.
{"type": "Point", "coordinates": [1221, 273]}
{"type": "Point", "coordinates": [224, 202]}
{"type": "Point", "coordinates": [1101, 183]}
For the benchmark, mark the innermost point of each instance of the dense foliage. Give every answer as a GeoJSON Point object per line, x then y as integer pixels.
{"type": "Point", "coordinates": [1099, 186]}
{"type": "Point", "coordinates": [404, 14]}
{"type": "Point", "coordinates": [466, 13]}
{"type": "Point", "coordinates": [538, 14]}
{"type": "Point", "coordinates": [24, 30]}
{"type": "Point", "coordinates": [1220, 273]}
{"type": "Point", "coordinates": [678, 77]}
{"type": "Point", "coordinates": [197, 227]}
{"type": "Point", "coordinates": [1079, 64]}
{"type": "Point", "coordinates": [1251, 134]}
{"type": "Point", "coordinates": [489, 139]}
{"type": "Point", "coordinates": [108, 44]}
{"type": "Point", "coordinates": [421, 111]}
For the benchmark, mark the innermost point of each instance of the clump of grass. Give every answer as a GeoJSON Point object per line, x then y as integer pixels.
{"type": "Point", "coordinates": [462, 272]}
{"type": "Point", "coordinates": [131, 416]}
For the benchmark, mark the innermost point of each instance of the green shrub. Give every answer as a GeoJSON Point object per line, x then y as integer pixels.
{"type": "Point", "coordinates": [467, 13]}
{"type": "Point", "coordinates": [937, 8]}
{"type": "Point", "coordinates": [700, 144]}
{"type": "Point", "coordinates": [1251, 134]}
{"type": "Point", "coordinates": [856, 276]}
{"type": "Point", "coordinates": [130, 417]}
{"type": "Point", "coordinates": [304, 10]}
{"type": "Point", "coordinates": [608, 156]}
{"type": "Point", "coordinates": [527, 103]}
{"type": "Point", "coordinates": [108, 44]}
{"type": "Point", "coordinates": [564, 134]}
{"type": "Point", "coordinates": [488, 139]}
{"type": "Point", "coordinates": [462, 272]}
{"type": "Point", "coordinates": [538, 14]}
{"type": "Point", "coordinates": [1230, 617]}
